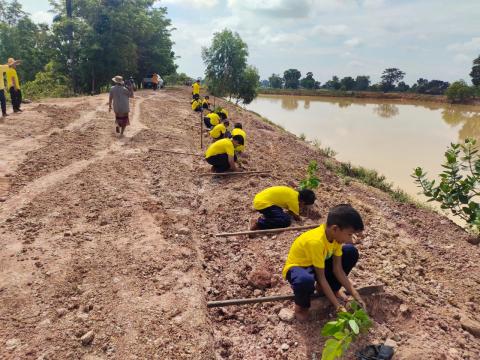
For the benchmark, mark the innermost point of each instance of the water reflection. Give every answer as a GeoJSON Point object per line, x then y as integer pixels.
{"type": "Point", "coordinates": [386, 110]}
{"type": "Point", "coordinates": [468, 120]}
{"type": "Point", "coordinates": [306, 104]}
{"type": "Point", "coordinates": [289, 103]}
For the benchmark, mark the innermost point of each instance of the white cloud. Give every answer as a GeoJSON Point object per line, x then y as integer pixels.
{"type": "Point", "coordinates": [353, 42]}
{"type": "Point", "coordinates": [470, 46]}
{"type": "Point", "coordinates": [194, 3]}
{"type": "Point", "coordinates": [274, 8]}
{"type": "Point", "coordinates": [339, 29]}
{"type": "Point", "coordinates": [373, 3]}
{"type": "Point", "coordinates": [42, 17]}
{"type": "Point", "coordinates": [462, 59]}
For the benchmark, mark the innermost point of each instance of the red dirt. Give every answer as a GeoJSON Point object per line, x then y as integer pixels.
{"type": "Point", "coordinates": [100, 234]}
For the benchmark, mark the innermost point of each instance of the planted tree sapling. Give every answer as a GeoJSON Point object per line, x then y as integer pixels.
{"type": "Point", "coordinates": [311, 181]}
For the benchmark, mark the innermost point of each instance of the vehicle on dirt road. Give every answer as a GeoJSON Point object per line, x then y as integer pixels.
{"type": "Point", "coordinates": [147, 82]}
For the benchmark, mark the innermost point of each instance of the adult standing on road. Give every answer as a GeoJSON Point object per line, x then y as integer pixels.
{"type": "Point", "coordinates": [120, 95]}
{"type": "Point", "coordinates": [196, 90]}
{"type": "Point", "coordinates": [13, 85]}
{"type": "Point", "coordinates": [155, 81]}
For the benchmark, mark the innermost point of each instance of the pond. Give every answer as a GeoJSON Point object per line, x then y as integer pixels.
{"type": "Point", "coordinates": [392, 138]}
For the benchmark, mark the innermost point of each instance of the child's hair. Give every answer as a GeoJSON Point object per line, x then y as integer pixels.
{"type": "Point", "coordinates": [345, 216]}
{"type": "Point", "coordinates": [306, 196]}
{"type": "Point", "coordinates": [238, 126]}
{"type": "Point", "coordinates": [207, 97]}
{"type": "Point", "coordinates": [226, 123]}
{"type": "Point", "coordinates": [222, 115]}
{"type": "Point", "coordinates": [238, 139]}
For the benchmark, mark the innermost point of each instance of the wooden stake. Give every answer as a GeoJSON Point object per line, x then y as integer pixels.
{"type": "Point", "coordinates": [175, 152]}
{"type": "Point", "coordinates": [364, 291]}
{"type": "Point", "coordinates": [251, 232]}
{"type": "Point", "coordinates": [234, 173]}
{"type": "Point", "coordinates": [201, 129]}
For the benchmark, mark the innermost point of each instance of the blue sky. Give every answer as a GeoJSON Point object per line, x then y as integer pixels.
{"type": "Point", "coordinates": [433, 39]}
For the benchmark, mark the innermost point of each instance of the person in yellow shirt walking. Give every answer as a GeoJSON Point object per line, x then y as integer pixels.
{"type": "Point", "coordinates": [3, 70]}
{"type": "Point", "coordinates": [196, 90]}
{"type": "Point", "coordinates": [271, 201]}
{"type": "Point", "coordinates": [13, 85]}
{"type": "Point", "coordinates": [322, 258]}
{"type": "Point", "coordinates": [221, 154]}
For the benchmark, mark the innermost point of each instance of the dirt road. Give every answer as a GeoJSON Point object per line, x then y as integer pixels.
{"type": "Point", "coordinates": [106, 248]}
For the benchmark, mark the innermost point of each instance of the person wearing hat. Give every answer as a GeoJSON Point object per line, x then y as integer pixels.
{"type": "Point", "coordinates": [196, 90]}
{"type": "Point", "coordinates": [119, 96]}
{"type": "Point", "coordinates": [155, 80]}
{"type": "Point", "coordinates": [13, 85]}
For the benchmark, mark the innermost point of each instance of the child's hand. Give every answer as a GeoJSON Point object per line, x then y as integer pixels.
{"type": "Point", "coordinates": [341, 308]}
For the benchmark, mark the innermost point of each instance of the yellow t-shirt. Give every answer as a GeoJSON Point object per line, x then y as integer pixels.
{"type": "Point", "coordinates": [3, 69]}
{"type": "Point", "coordinates": [195, 104]}
{"type": "Point", "coordinates": [311, 249]}
{"type": "Point", "coordinates": [218, 130]}
{"type": "Point", "coordinates": [283, 196]}
{"type": "Point", "coordinates": [225, 112]}
{"type": "Point", "coordinates": [242, 133]}
{"type": "Point", "coordinates": [12, 72]}
{"type": "Point", "coordinates": [223, 146]}
{"type": "Point", "coordinates": [214, 119]}
{"type": "Point", "coordinates": [196, 88]}
{"type": "Point", "coordinates": [205, 101]}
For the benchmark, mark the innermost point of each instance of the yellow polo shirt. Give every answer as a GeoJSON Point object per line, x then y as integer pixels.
{"type": "Point", "coordinates": [282, 196]}
{"type": "Point", "coordinates": [214, 119]}
{"type": "Point", "coordinates": [196, 88]}
{"type": "Point", "coordinates": [311, 248]}
{"type": "Point", "coordinates": [11, 72]}
{"type": "Point", "coordinates": [195, 104]}
{"type": "Point", "coordinates": [242, 133]}
{"type": "Point", "coordinates": [3, 69]}
{"type": "Point", "coordinates": [223, 146]}
{"type": "Point", "coordinates": [218, 130]}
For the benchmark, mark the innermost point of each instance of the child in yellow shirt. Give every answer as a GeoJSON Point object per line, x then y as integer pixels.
{"type": "Point", "coordinates": [322, 258]}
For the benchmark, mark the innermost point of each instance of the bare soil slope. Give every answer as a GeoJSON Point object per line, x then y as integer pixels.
{"type": "Point", "coordinates": [106, 248]}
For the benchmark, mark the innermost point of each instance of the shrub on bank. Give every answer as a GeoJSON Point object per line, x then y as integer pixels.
{"type": "Point", "coordinates": [459, 91]}
{"type": "Point", "coordinates": [47, 83]}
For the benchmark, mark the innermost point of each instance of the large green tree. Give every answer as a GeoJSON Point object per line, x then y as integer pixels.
{"type": "Point", "coordinates": [308, 82]}
{"type": "Point", "coordinates": [347, 83]}
{"type": "Point", "coordinates": [227, 73]}
{"type": "Point", "coordinates": [292, 78]}
{"type": "Point", "coordinates": [390, 77]}
{"type": "Point", "coordinates": [362, 82]}
{"type": "Point", "coordinates": [226, 61]}
{"type": "Point", "coordinates": [276, 81]}
{"type": "Point", "coordinates": [475, 73]}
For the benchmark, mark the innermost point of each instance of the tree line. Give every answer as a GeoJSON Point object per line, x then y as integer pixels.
{"type": "Point", "coordinates": [391, 80]}
{"type": "Point", "coordinates": [88, 42]}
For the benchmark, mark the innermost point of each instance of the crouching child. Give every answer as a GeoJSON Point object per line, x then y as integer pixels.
{"type": "Point", "coordinates": [221, 154]}
{"type": "Point", "coordinates": [271, 203]}
{"type": "Point", "coordinates": [322, 258]}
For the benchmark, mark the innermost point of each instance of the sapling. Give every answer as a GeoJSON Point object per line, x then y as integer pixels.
{"type": "Point", "coordinates": [459, 185]}
{"type": "Point", "coordinates": [311, 181]}
{"type": "Point", "coordinates": [344, 330]}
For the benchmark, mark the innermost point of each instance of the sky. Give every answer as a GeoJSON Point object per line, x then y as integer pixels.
{"type": "Point", "coordinates": [432, 39]}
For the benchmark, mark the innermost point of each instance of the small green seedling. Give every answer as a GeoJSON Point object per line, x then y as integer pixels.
{"type": "Point", "coordinates": [344, 330]}
{"type": "Point", "coordinates": [311, 181]}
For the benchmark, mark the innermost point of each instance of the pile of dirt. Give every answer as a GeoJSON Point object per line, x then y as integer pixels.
{"type": "Point", "coordinates": [108, 251]}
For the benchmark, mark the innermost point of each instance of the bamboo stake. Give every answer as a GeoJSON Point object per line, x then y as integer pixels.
{"type": "Point", "coordinates": [364, 291]}
{"type": "Point", "coordinates": [175, 152]}
{"type": "Point", "coordinates": [201, 129]}
{"type": "Point", "coordinates": [233, 173]}
{"type": "Point", "coordinates": [252, 232]}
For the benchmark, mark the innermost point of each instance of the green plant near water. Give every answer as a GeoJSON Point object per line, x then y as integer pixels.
{"type": "Point", "coordinates": [325, 151]}
{"type": "Point", "coordinates": [302, 136]}
{"type": "Point", "coordinates": [344, 330]}
{"type": "Point", "coordinates": [311, 181]}
{"type": "Point", "coordinates": [459, 183]}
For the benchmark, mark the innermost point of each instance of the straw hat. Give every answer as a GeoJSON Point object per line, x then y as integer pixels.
{"type": "Point", "coordinates": [11, 61]}
{"type": "Point", "coordinates": [117, 79]}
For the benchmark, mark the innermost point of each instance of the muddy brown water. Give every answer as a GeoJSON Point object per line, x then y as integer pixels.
{"type": "Point", "coordinates": [392, 138]}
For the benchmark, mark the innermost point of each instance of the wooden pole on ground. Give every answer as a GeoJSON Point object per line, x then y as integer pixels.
{"type": "Point", "coordinates": [253, 232]}
{"type": "Point", "coordinates": [364, 291]}
{"type": "Point", "coordinates": [201, 129]}
{"type": "Point", "coordinates": [175, 152]}
{"type": "Point", "coordinates": [234, 173]}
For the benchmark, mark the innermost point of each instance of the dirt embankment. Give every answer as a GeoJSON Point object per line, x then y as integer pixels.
{"type": "Point", "coordinates": [106, 248]}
